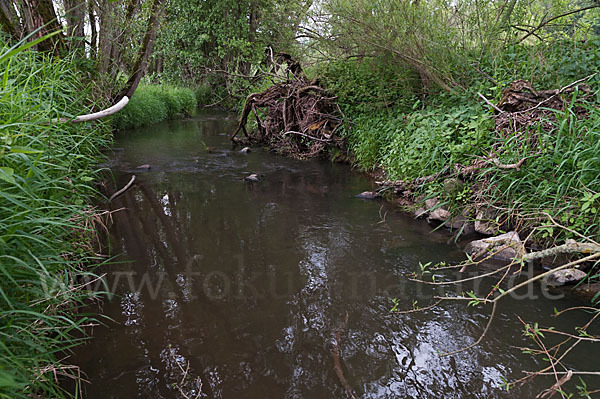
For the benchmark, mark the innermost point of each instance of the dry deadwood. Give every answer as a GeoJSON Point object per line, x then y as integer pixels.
{"type": "Point", "coordinates": [522, 107]}
{"type": "Point", "coordinates": [297, 117]}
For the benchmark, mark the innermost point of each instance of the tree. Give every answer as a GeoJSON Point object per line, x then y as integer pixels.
{"type": "Point", "coordinates": [225, 37]}
{"type": "Point", "coordinates": [145, 51]}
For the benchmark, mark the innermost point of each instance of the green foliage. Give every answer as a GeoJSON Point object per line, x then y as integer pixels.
{"type": "Point", "coordinates": [546, 65]}
{"type": "Point", "coordinates": [563, 180]}
{"type": "Point", "coordinates": [419, 143]}
{"type": "Point", "coordinates": [445, 43]}
{"type": "Point", "coordinates": [369, 85]}
{"type": "Point", "coordinates": [154, 103]}
{"type": "Point", "coordinates": [429, 134]}
{"type": "Point", "coordinates": [45, 223]}
{"type": "Point", "coordinates": [427, 141]}
{"type": "Point", "coordinates": [224, 39]}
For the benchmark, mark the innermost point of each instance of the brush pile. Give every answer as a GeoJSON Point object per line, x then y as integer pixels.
{"type": "Point", "coordinates": [296, 117]}
{"type": "Point", "coordinates": [522, 107]}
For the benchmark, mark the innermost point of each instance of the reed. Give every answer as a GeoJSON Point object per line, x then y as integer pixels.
{"type": "Point", "coordinates": [47, 227]}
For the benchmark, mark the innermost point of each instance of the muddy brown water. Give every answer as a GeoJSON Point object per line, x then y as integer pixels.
{"type": "Point", "coordinates": [228, 289]}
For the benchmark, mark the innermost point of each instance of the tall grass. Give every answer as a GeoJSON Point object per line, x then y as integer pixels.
{"type": "Point", "coordinates": [154, 103]}
{"type": "Point", "coordinates": [46, 176]}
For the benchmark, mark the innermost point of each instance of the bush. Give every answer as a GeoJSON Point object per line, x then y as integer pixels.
{"type": "Point", "coordinates": [154, 103]}
{"type": "Point", "coordinates": [204, 94]}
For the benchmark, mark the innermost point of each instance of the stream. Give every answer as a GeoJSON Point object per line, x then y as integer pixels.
{"type": "Point", "coordinates": [232, 289]}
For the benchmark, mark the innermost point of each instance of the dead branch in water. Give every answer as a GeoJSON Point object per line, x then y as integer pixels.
{"type": "Point", "coordinates": [121, 191]}
{"type": "Point", "coordinates": [337, 365]}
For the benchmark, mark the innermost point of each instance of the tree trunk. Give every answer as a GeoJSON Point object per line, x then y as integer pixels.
{"type": "Point", "coordinates": [145, 51]}
{"type": "Point", "coordinates": [94, 32]}
{"type": "Point", "coordinates": [75, 15]}
{"type": "Point", "coordinates": [106, 36]}
{"type": "Point", "coordinates": [9, 20]}
{"type": "Point", "coordinates": [43, 17]}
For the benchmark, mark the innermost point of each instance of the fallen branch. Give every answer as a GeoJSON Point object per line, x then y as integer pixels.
{"type": "Point", "coordinates": [558, 92]}
{"type": "Point", "coordinates": [516, 166]}
{"type": "Point", "coordinates": [121, 191]}
{"type": "Point", "coordinates": [570, 247]}
{"type": "Point", "coordinates": [337, 365]}
{"type": "Point", "coordinates": [96, 115]}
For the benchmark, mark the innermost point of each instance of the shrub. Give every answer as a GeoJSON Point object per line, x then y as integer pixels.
{"type": "Point", "coordinates": [154, 103]}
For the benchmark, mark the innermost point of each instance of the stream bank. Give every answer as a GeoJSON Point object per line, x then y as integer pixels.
{"type": "Point", "coordinates": [298, 117]}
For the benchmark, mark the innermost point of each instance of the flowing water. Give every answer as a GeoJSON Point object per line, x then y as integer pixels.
{"type": "Point", "coordinates": [229, 289]}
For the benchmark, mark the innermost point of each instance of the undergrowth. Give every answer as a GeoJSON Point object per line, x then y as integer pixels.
{"type": "Point", "coordinates": [407, 133]}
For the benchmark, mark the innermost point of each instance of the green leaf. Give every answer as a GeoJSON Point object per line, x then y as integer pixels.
{"type": "Point", "coordinates": [19, 47]}
{"type": "Point", "coordinates": [6, 174]}
{"type": "Point", "coordinates": [24, 150]}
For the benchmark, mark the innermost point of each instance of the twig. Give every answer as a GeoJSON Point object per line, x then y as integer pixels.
{"type": "Point", "coordinates": [510, 291]}
{"type": "Point", "coordinates": [419, 309]}
{"type": "Point", "coordinates": [546, 22]}
{"type": "Point", "coordinates": [557, 93]}
{"type": "Point", "coordinates": [488, 102]}
{"type": "Point", "coordinates": [481, 337]}
{"type": "Point", "coordinates": [570, 230]}
{"type": "Point", "coordinates": [307, 136]}
{"type": "Point", "coordinates": [121, 191]}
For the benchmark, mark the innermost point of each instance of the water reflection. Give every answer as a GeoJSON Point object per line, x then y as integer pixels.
{"type": "Point", "coordinates": [229, 289]}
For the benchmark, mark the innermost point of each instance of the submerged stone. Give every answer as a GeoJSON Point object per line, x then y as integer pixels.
{"type": "Point", "coordinates": [369, 195]}
{"type": "Point", "coordinates": [252, 178]}
{"type": "Point", "coordinates": [564, 277]}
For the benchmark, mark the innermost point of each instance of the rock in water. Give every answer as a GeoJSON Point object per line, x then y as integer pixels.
{"type": "Point", "coordinates": [252, 178]}
{"type": "Point", "coordinates": [144, 166]}
{"type": "Point", "coordinates": [245, 150]}
{"type": "Point", "coordinates": [564, 277]}
{"type": "Point", "coordinates": [485, 222]}
{"type": "Point", "coordinates": [369, 195]}
{"type": "Point", "coordinates": [438, 215]}
{"type": "Point", "coordinates": [504, 247]}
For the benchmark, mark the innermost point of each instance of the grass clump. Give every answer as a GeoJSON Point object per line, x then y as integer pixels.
{"type": "Point", "coordinates": [46, 225]}
{"type": "Point", "coordinates": [155, 103]}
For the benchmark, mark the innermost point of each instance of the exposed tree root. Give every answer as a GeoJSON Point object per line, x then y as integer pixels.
{"type": "Point", "coordinates": [296, 117]}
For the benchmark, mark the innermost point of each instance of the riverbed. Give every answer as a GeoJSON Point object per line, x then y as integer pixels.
{"type": "Point", "coordinates": [282, 288]}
